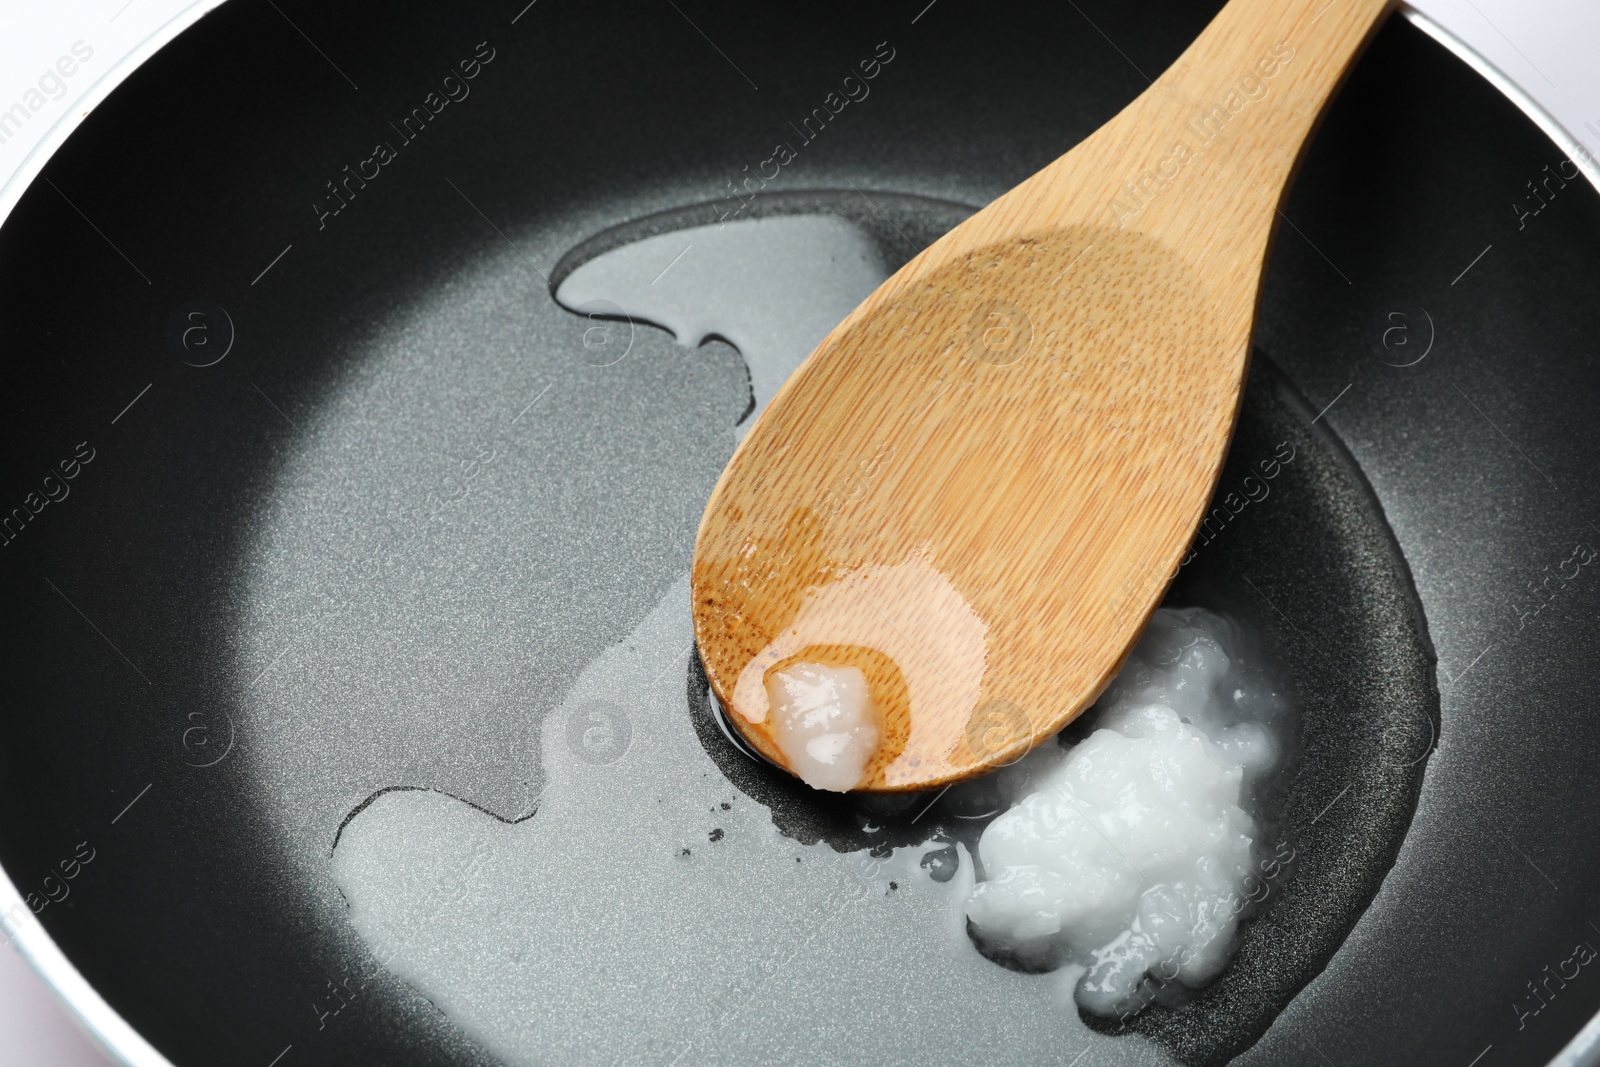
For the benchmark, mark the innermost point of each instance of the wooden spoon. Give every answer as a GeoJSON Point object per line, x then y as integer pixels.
{"type": "Point", "coordinates": [978, 487]}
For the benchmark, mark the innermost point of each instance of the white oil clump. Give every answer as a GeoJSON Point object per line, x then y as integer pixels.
{"type": "Point", "coordinates": [1129, 853]}
{"type": "Point", "coordinates": [823, 722]}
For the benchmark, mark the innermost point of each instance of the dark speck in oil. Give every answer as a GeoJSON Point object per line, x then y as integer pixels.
{"type": "Point", "coordinates": [942, 863]}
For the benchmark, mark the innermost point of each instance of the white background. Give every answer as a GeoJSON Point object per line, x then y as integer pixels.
{"type": "Point", "coordinates": [1547, 47]}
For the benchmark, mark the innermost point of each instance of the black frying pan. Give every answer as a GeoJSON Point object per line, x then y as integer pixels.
{"type": "Point", "coordinates": [1423, 568]}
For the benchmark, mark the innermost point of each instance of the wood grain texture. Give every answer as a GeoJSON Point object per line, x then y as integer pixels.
{"type": "Point", "coordinates": [981, 483]}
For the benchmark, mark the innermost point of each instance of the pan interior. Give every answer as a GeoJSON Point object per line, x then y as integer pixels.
{"type": "Point", "coordinates": [548, 515]}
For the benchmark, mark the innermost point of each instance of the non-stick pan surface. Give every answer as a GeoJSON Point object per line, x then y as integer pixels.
{"type": "Point", "coordinates": [255, 603]}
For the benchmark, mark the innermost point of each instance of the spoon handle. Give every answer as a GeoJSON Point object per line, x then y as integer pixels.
{"type": "Point", "coordinates": [1202, 158]}
{"type": "Point", "coordinates": [1251, 88]}
{"type": "Point", "coordinates": [1243, 99]}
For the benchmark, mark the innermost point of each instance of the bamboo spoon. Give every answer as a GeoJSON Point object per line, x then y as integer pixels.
{"type": "Point", "coordinates": [978, 487]}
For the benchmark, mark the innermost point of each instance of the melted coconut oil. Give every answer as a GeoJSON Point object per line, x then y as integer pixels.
{"type": "Point", "coordinates": [650, 913]}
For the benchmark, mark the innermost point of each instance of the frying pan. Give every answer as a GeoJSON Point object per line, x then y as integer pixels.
{"type": "Point", "coordinates": [249, 592]}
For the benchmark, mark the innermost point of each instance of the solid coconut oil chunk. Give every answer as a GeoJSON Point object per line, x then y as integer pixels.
{"type": "Point", "coordinates": [1136, 852]}
{"type": "Point", "coordinates": [824, 723]}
